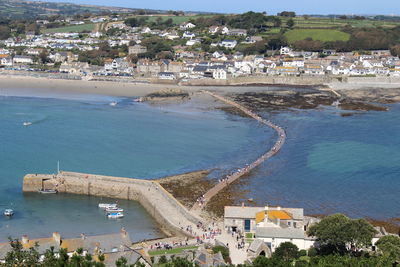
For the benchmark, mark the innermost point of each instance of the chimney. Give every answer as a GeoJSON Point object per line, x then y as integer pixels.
{"type": "Point", "coordinates": [25, 240]}
{"type": "Point", "coordinates": [242, 204]}
{"type": "Point", "coordinates": [278, 208]}
{"type": "Point", "coordinates": [57, 238]}
{"type": "Point", "coordinates": [266, 208]}
{"type": "Point", "coordinates": [83, 236]}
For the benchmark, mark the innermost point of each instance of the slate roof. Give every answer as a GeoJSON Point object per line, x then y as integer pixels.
{"type": "Point", "coordinates": [277, 232]}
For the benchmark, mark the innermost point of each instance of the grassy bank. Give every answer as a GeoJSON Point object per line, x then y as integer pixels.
{"type": "Point", "coordinates": [324, 35]}
{"type": "Point", "coordinates": [72, 28]}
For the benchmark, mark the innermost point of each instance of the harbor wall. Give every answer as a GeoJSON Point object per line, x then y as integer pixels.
{"type": "Point", "coordinates": [169, 213]}
{"type": "Point", "coordinates": [262, 79]}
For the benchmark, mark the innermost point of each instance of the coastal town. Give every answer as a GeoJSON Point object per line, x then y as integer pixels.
{"type": "Point", "coordinates": [188, 56]}
{"type": "Point", "coordinates": [152, 58]}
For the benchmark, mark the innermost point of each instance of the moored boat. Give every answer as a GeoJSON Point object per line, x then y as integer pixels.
{"type": "Point", "coordinates": [107, 206]}
{"type": "Point", "coordinates": [115, 215]}
{"type": "Point", "coordinates": [114, 210]}
{"type": "Point", "coordinates": [27, 123]}
{"type": "Point", "coordinates": [48, 191]}
{"type": "Point", "coordinates": [8, 212]}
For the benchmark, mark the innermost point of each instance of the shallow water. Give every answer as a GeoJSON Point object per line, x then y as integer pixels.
{"type": "Point", "coordinates": [328, 164]}
{"type": "Point", "coordinates": [129, 140]}
{"type": "Point", "coordinates": [335, 164]}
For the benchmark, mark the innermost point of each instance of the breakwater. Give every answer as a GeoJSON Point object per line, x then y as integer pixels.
{"type": "Point", "coordinates": [170, 214]}
{"type": "Point", "coordinates": [245, 170]}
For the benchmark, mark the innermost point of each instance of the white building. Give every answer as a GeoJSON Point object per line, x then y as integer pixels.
{"type": "Point", "coordinates": [219, 74]}
{"type": "Point", "coordinates": [166, 76]}
{"type": "Point", "coordinates": [22, 60]}
{"type": "Point", "coordinates": [187, 25]}
{"type": "Point", "coordinates": [229, 44]}
{"type": "Point", "coordinates": [6, 61]}
{"type": "Point", "coordinates": [272, 225]}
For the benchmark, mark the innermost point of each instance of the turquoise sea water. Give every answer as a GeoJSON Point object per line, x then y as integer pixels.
{"type": "Point", "coordinates": [328, 164]}
{"type": "Point", "coordinates": [129, 140]}
{"type": "Point", "coordinates": [334, 164]}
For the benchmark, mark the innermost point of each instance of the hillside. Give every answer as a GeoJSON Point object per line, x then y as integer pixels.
{"type": "Point", "coordinates": [18, 9]}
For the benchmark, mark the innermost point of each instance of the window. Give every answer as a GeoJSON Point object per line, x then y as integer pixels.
{"type": "Point", "coordinates": [294, 224]}
{"type": "Point", "coordinates": [247, 225]}
{"type": "Point", "coordinates": [288, 223]}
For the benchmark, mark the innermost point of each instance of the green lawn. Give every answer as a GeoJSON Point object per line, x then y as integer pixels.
{"type": "Point", "coordinates": [170, 251]}
{"type": "Point", "coordinates": [177, 19]}
{"type": "Point", "coordinates": [72, 28]}
{"type": "Point", "coordinates": [325, 35]}
{"type": "Point", "coordinates": [318, 23]}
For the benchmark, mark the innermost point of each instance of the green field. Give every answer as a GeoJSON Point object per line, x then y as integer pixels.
{"type": "Point", "coordinates": [72, 28]}
{"type": "Point", "coordinates": [336, 23]}
{"type": "Point", "coordinates": [176, 19]}
{"type": "Point", "coordinates": [170, 251]}
{"type": "Point", "coordinates": [324, 35]}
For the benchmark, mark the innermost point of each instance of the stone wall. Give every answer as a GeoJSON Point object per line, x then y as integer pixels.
{"type": "Point", "coordinates": [262, 79]}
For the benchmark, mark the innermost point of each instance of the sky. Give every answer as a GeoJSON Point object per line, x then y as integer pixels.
{"type": "Point", "coordinates": [386, 7]}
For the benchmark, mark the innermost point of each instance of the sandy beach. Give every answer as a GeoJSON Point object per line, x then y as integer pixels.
{"type": "Point", "coordinates": [13, 85]}
{"type": "Point", "coordinates": [27, 86]}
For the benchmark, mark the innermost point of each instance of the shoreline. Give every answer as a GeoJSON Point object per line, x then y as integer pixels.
{"type": "Point", "coordinates": [23, 85]}
{"type": "Point", "coordinates": [67, 87]}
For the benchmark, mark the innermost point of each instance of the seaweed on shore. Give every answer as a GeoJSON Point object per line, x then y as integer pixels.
{"type": "Point", "coordinates": [186, 188]}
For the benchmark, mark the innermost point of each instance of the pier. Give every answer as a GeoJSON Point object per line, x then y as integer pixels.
{"type": "Point", "coordinates": [170, 214]}
{"type": "Point", "coordinates": [199, 205]}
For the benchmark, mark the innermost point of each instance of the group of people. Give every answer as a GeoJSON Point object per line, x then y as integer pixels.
{"type": "Point", "coordinates": [168, 245]}
{"type": "Point", "coordinates": [240, 243]}
{"type": "Point", "coordinates": [201, 200]}
{"type": "Point", "coordinates": [203, 233]}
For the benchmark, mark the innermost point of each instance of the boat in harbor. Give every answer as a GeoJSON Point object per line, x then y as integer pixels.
{"type": "Point", "coordinates": [8, 212]}
{"type": "Point", "coordinates": [107, 206]}
{"type": "Point", "coordinates": [48, 191]}
{"type": "Point", "coordinates": [113, 104]}
{"type": "Point", "coordinates": [114, 210]}
{"type": "Point", "coordinates": [27, 123]}
{"type": "Point", "coordinates": [115, 215]}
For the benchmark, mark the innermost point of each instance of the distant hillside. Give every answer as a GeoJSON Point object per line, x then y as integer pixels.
{"type": "Point", "coordinates": [18, 9]}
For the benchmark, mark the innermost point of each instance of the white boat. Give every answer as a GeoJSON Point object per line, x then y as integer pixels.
{"type": "Point", "coordinates": [48, 191]}
{"type": "Point", "coordinates": [115, 215]}
{"type": "Point", "coordinates": [27, 123]}
{"type": "Point", "coordinates": [8, 212]}
{"type": "Point", "coordinates": [114, 210]}
{"type": "Point", "coordinates": [107, 206]}
{"type": "Point", "coordinates": [113, 104]}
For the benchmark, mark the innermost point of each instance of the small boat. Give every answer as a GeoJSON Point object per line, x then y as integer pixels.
{"type": "Point", "coordinates": [8, 212]}
{"type": "Point", "coordinates": [27, 123]}
{"type": "Point", "coordinates": [115, 215]}
{"type": "Point", "coordinates": [107, 206]}
{"type": "Point", "coordinates": [48, 191]}
{"type": "Point", "coordinates": [113, 104]}
{"type": "Point", "coordinates": [114, 210]}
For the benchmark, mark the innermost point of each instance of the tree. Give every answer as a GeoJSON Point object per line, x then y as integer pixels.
{"type": "Point", "coordinates": [337, 231]}
{"type": "Point", "coordinates": [5, 32]}
{"type": "Point", "coordinates": [44, 57]}
{"type": "Point", "coordinates": [289, 14]}
{"type": "Point", "coordinates": [287, 251]}
{"type": "Point", "coordinates": [390, 246]}
{"type": "Point", "coordinates": [270, 262]}
{"type": "Point", "coordinates": [277, 41]}
{"type": "Point", "coordinates": [290, 23]}
{"type": "Point", "coordinates": [395, 50]}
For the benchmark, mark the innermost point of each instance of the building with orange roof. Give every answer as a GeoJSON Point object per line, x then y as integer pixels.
{"type": "Point", "coordinates": [273, 225]}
